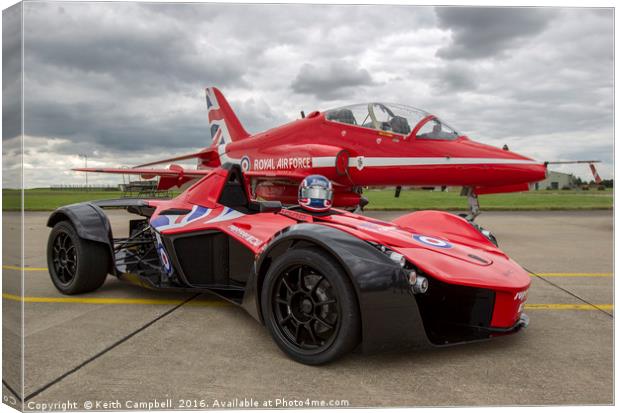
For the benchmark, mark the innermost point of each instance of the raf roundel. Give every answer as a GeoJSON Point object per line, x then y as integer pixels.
{"type": "Point", "coordinates": [433, 242]}
{"type": "Point", "coordinates": [164, 259]}
{"type": "Point", "coordinates": [245, 163]}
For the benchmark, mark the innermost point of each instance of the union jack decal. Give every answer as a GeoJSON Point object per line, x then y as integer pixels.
{"type": "Point", "coordinates": [163, 222]}
{"type": "Point", "coordinates": [217, 123]}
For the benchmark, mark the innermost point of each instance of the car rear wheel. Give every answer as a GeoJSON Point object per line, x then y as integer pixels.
{"type": "Point", "coordinates": [75, 265]}
{"type": "Point", "coordinates": [310, 307]}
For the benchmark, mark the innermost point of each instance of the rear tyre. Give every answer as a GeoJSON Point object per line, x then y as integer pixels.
{"type": "Point", "coordinates": [75, 265]}
{"type": "Point", "coordinates": [310, 307]}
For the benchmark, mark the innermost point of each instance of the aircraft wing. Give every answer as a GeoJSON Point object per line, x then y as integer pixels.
{"type": "Point", "coordinates": [207, 153]}
{"type": "Point", "coordinates": [175, 176]}
{"type": "Point", "coordinates": [149, 172]}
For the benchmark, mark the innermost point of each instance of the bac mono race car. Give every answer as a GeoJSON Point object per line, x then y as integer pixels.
{"type": "Point", "coordinates": [322, 283]}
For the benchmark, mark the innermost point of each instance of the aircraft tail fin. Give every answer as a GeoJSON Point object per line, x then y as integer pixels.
{"type": "Point", "coordinates": [223, 123]}
{"type": "Point", "coordinates": [597, 177]}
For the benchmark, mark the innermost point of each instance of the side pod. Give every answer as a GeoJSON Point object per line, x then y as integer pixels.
{"type": "Point", "coordinates": [389, 312]}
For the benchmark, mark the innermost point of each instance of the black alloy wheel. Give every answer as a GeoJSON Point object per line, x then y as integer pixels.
{"type": "Point", "coordinates": [306, 310]}
{"type": "Point", "coordinates": [76, 265]}
{"type": "Point", "coordinates": [64, 258]}
{"type": "Point", "coordinates": [310, 306]}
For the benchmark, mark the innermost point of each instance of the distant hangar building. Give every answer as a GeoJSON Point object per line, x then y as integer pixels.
{"type": "Point", "coordinates": [557, 180]}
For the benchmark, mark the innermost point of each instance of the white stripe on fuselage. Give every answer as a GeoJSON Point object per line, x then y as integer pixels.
{"type": "Point", "coordinates": [368, 161]}
{"type": "Point", "coordinates": [419, 161]}
{"type": "Point", "coordinates": [224, 158]}
{"type": "Point", "coordinates": [324, 162]}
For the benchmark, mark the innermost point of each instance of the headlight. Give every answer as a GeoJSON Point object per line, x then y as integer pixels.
{"type": "Point", "coordinates": [398, 258]}
{"type": "Point", "coordinates": [421, 285]}
{"type": "Point", "coordinates": [412, 276]}
{"type": "Point", "coordinates": [392, 255]}
{"type": "Point", "coordinates": [418, 283]}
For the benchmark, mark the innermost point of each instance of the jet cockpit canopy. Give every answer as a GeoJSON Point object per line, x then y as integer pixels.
{"type": "Point", "coordinates": [395, 118]}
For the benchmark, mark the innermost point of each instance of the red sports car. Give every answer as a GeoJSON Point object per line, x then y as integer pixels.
{"type": "Point", "coordinates": [322, 283]}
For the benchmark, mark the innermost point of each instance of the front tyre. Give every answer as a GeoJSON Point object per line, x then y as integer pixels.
{"type": "Point", "coordinates": [75, 265]}
{"type": "Point", "coordinates": [310, 308]}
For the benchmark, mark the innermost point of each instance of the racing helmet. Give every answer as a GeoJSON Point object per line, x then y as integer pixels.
{"type": "Point", "coordinates": [315, 193]}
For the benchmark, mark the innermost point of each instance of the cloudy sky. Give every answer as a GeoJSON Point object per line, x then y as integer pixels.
{"type": "Point", "coordinates": [124, 82]}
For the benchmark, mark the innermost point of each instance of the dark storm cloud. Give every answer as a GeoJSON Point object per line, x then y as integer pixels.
{"type": "Point", "coordinates": [103, 126]}
{"type": "Point", "coordinates": [145, 52]}
{"type": "Point", "coordinates": [257, 115]}
{"type": "Point", "coordinates": [130, 76]}
{"type": "Point", "coordinates": [455, 78]}
{"type": "Point", "coordinates": [480, 32]}
{"type": "Point", "coordinates": [331, 81]}
{"type": "Point", "coordinates": [125, 81]}
{"type": "Point", "coordinates": [110, 75]}
{"type": "Point", "coordinates": [11, 69]}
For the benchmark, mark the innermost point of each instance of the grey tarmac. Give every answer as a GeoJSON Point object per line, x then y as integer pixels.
{"type": "Point", "coordinates": [214, 352]}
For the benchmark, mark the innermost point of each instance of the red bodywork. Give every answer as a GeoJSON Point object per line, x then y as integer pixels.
{"type": "Point", "coordinates": [464, 256]}
{"type": "Point", "coordinates": [351, 155]}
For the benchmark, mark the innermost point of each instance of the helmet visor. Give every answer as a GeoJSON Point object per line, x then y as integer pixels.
{"type": "Point", "coordinates": [316, 192]}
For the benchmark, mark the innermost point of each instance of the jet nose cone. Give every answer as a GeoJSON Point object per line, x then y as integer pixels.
{"type": "Point", "coordinates": [538, 171]}
{"type": "Point", "coordinates": [529, 170]}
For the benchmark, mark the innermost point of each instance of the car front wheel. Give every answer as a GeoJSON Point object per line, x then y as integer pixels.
{"type": "Point", "coordinates": [310, 307]}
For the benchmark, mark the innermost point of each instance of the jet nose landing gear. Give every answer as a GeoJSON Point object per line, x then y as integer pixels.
{"type": "Point", "coordinates": [474, 205]}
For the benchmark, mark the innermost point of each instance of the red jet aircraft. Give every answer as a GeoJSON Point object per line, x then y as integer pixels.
{"type": "Point", "coordinates": [371, 144]}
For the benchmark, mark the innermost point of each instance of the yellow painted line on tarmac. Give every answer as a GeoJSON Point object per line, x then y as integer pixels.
{"type": "Point", "coordinates": [574, 274]}
{"type": "Point", "coordinates": [102, 300]}
{"type": "Point", "coordinates": [213, 303]}
{"type": "Point", "coordinates": [542, 274]}
{"type": "Point", "coordinates": [569, 307]}
{"type": "Point", "coordinates": [16, 268]}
